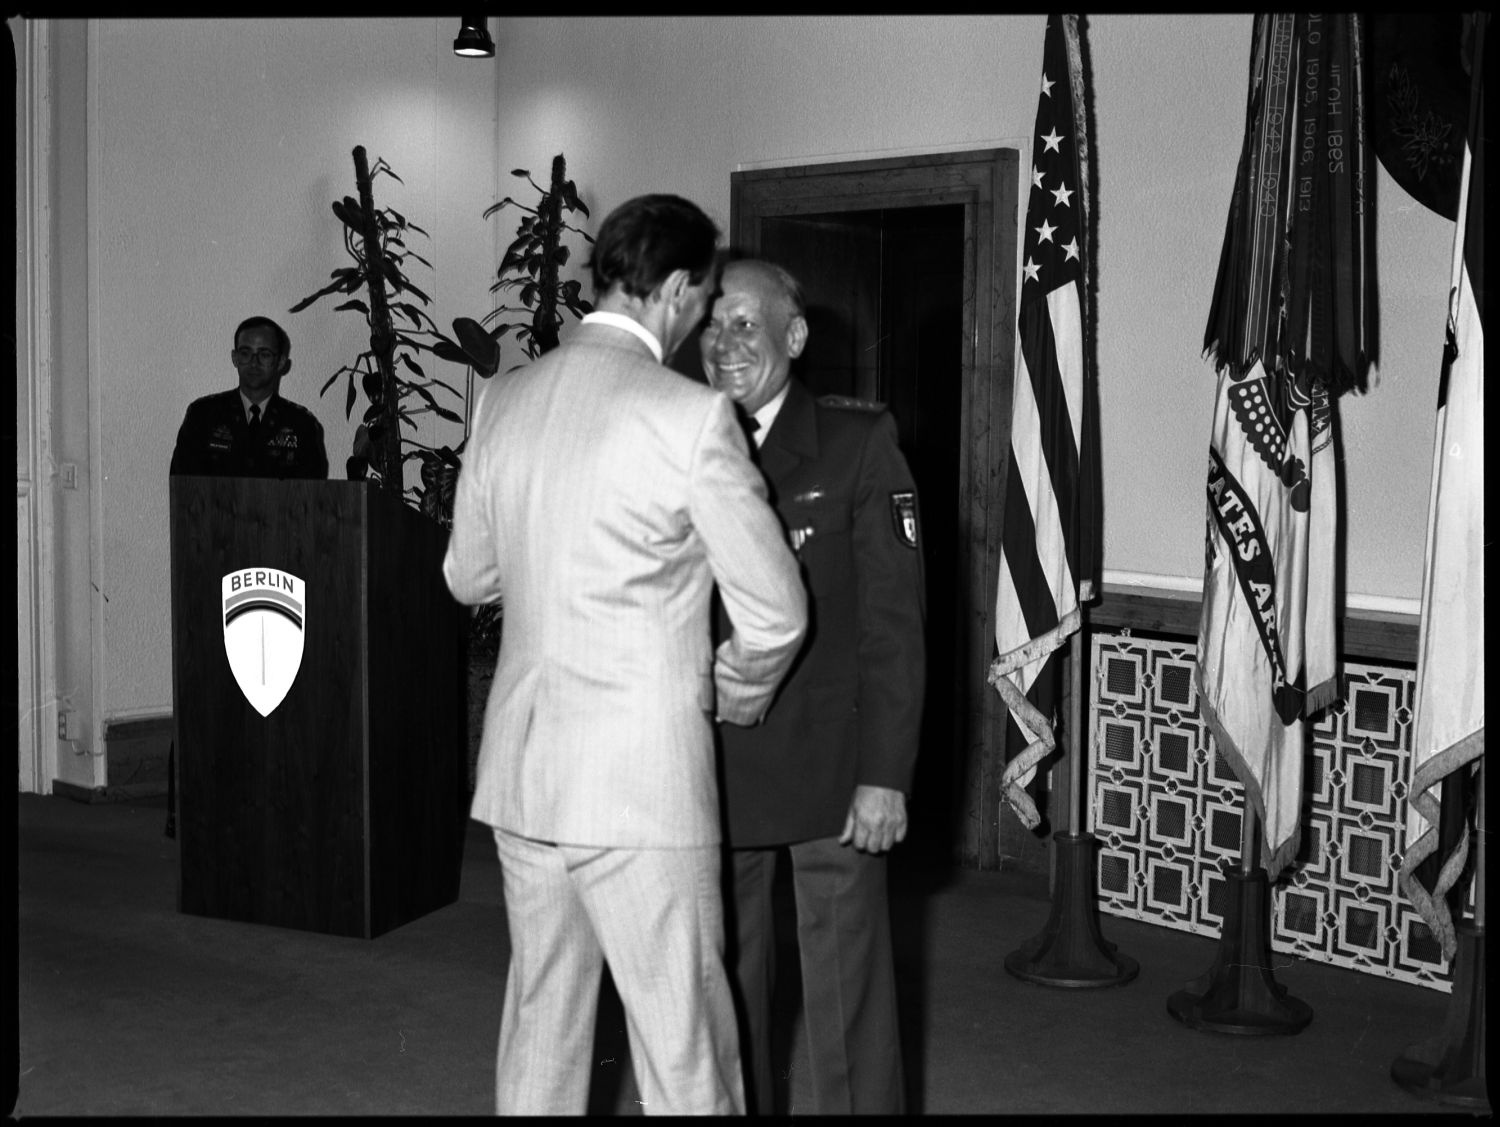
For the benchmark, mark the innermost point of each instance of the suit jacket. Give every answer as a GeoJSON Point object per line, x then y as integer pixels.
{"type": "Point", "coordinates": [850, 711]}
{"type": "Point", "coordinates": [214, 440]}
{"type": "Point", "coordinates": [601, 497]}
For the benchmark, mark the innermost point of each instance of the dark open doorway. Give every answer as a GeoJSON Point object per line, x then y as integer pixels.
{"type": "Point", "coordinates": [908, 267]}
{"type": "Point", "coordinates": [884, 290]}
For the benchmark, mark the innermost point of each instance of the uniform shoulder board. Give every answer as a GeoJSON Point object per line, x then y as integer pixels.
{"type": "Point", "coordinates": [303, 415]}
{"type": "Point", "coordinates": [849, 403]}
{"type": "Point", "coordinates": [299, 410]}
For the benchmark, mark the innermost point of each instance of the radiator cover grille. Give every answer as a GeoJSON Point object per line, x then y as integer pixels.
{"type": "Point", "coordinates": [1166, 809]}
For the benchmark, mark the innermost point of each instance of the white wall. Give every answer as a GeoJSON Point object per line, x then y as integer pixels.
{"type": "Point", "coordinates": [679, 104]}
{"type": "Point", "coordinates": [215, 147]}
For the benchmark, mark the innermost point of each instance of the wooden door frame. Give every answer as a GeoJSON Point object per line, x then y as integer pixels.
{"type": "Point", "coordinates": [986, 183]}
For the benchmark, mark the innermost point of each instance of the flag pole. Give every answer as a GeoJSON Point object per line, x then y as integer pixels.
{"type": "Point", "coordinates": [1046, 559]}
{"type": "Point", "coordinates": [1071, 951]}
{"type": "Point", "coordinates": [1239, 993]}
{"type": "Point", "coordinates": [1074, 732]}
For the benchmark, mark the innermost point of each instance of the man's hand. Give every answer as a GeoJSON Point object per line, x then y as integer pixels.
{"type": "Point", "coordinates": [876, 821]}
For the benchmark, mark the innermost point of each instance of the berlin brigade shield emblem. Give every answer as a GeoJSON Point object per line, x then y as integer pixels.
{"type": "Point", "coordinates": [263, 622]}
{"type": "Point", "coordinates": [904, 517]}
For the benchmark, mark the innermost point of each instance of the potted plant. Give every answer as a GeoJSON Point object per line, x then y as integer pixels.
{"type": "Point", "coordinates": [395, 384]}
{"type": "Point", "coordinates": [529, 269]}
{"type": "Point", "coordinates": [389, 373]}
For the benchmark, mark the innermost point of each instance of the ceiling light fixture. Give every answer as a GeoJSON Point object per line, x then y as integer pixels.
{"type": "Point", "coordinates": [474, 40]}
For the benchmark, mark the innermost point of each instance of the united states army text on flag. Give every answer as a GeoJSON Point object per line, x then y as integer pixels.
{"type": "Point", "coordinates": [1449, 731]}
{"type": "Point", "coordinates": [1288, 330]}
{"type": "Point", "coordinates": [1051, 510]}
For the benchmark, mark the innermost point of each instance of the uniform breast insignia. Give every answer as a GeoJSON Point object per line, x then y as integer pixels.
{"type": "Point", "coordinates": [799, 537]}
{"type": "Point", "coordinates": [904, 517]}
{"type": "Point", "coordinates": [850, 403]}
{"type": "Point", "coordinates": [286, 438]}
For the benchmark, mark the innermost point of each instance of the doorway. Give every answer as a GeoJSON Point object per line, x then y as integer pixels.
{"type": "Point", "coordinates": [884, 295]}
{"type": "Point", "coordinates": [907, 267]}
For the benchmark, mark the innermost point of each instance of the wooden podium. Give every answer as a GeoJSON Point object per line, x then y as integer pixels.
{"type": "Point", "coordinates": [344, 809]}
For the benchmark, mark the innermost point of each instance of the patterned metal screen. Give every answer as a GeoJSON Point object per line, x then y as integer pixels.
{"type": "Point", "coordinates": [1166, 809]}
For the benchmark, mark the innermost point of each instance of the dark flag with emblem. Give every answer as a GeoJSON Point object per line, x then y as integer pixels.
{"type": "Point", "coordinates": [1449, 729]}
{"type": "Point", "coordinates": [1049, 536]}
{"type": "Point", "coordinates": [1288, 331]}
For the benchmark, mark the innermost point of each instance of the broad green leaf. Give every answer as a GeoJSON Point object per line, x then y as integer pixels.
{"type": "Point", "coordinates": [354, 303]}
{"type": "Point", "coordinates": [419, 293]}
{"type": "Point", "coordinates": [347, 217]}
{"type": "Point", "coordinates": [519, 172]}
{"type": "Point", "coordinates": [413, 365]}
{"type": "Point", "coordinates": [446, 350]}
{"type": "Point", "coordinates": [328, 289]}
{"type": "Point", "coordinates": [416, 313]}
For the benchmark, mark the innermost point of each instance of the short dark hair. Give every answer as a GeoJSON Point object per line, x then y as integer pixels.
{"type": "Point", "coordinates": [283, 342]}
{"type": "Point", "coordinates": [646, 238]}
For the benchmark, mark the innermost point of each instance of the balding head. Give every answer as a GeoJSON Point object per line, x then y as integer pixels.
{"type": "Point", "coordinates": [756, 330]}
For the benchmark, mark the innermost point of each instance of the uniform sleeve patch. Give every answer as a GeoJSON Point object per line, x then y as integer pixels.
{"type": "Point", "coordinates": [904, 517]}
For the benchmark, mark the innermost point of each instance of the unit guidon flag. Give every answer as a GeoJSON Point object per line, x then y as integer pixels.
{"type": "Point", "coordinates": [1288, 329]}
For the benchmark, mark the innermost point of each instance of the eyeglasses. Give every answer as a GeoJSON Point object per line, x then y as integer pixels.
{"type": "Point", "coordinates": [245, 355]}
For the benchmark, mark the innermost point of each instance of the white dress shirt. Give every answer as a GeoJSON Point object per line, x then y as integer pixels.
{"type": "Point", "coordinates": [767, 415]}
{"type": "Point", "coordinates": [620, 321]}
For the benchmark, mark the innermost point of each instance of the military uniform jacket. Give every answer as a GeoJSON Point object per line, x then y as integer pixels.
{"type": "Point", "coordinates": [850, 711]}
{"type": "Point", "coordinates": [214, 440]}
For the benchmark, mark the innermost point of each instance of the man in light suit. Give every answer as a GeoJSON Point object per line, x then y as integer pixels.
{"type": "Point", "coordinates": [601, 498]}
{"type": "Point", "coordinates": [824, 779]}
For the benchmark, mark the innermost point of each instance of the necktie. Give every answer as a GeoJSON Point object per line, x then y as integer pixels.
{"type": "Point", "coordinates": [750, 424]}
{"type": "Point", "coordinates": [253, 433]}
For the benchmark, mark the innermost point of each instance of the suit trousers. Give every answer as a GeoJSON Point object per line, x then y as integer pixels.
{"type": "Point", "coordinates": [848, 976]}
{"type": "Point", "coordinates": [656, 916]}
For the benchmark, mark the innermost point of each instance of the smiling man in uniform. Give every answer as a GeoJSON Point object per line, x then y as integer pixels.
{"type": "Point", "coordinates": [825, 776]}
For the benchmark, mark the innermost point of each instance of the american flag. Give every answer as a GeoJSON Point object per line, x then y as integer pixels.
{"type": "Point", "coordinates": [1051, 509]}
{"type": "Point", "coordinates": [1449, 732]}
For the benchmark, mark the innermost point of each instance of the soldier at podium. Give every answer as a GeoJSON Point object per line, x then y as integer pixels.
{"type": "Point", "coordinates": [251, 431]}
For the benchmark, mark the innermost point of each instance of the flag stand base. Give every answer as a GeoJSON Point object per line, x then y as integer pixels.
{"type": "Point", "coordinates": [1239, 994]}
{"type": "Point", "coordinates": [1449, 1068]}
{"type": "Point", "coordinates": [1070, 951]}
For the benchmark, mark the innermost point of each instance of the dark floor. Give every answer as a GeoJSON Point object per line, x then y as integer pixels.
{"type": "Point", "coordinates": [127, 1007]}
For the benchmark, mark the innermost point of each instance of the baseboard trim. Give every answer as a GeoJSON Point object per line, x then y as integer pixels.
{"type": "Point", "coordinates": [127, 792]}
{"type": "Point", "coordinates": [136, 755]}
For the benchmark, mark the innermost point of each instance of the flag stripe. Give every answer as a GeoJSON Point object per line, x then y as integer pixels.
{"type": "Point", "coordinates": [1023, 563]}
{"type": "Point", "coordinates": [1054, 425]}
